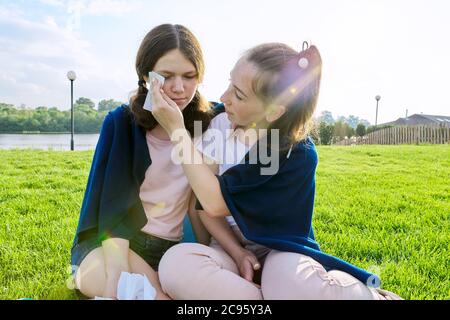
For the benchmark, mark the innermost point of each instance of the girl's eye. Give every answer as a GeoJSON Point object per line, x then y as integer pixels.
{"type": "Point", "coordinates": [236, 94]}
{"type": "Point", "coordinates": [191, 77]}
{"type": "Point", "coordinates": [235, 91]}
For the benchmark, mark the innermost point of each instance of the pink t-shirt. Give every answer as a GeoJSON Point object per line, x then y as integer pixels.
{"type": "Point", "coordinates": [165, 192]}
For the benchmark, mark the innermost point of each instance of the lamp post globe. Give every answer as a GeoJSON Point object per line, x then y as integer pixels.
{"type": "Point", "coordinates": [71, 75]}
{"type": "Point", "coordinates": [378, 98]}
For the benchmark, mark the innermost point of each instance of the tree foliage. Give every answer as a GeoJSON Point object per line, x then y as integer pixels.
{"type": "Point", "coordinates": [326, 133]}
{"type": "Point", "coordinates": [46, 120]}
{"type": "Point", "coordinates": [86, 101]}
{"type": "Point", "coordinates": [361, 130]}
{"type": "Point", "coordinates": [108, 105]}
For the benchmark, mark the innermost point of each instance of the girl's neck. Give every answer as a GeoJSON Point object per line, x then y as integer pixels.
{"type": "Point", "coordinates": [160, 133]}
{"type": "Point", "coordinates": [249, 136]}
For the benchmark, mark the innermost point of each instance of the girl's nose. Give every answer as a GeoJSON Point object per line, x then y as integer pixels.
{"type": "Point", "coordinates": [178, 86]}
{"type": "Point", "coordinates": [224, 98]}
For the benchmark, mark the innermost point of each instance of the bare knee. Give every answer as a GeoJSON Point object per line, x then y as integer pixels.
{"type": "Point", "coordinates": [90, 278]}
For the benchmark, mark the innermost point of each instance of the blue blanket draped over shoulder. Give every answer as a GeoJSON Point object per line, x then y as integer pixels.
{"type": "Point", "coordinates": [111, 204]}
{"type": "Point", "coordinates": [276, 211]}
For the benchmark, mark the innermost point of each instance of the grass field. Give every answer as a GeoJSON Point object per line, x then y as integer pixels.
{"type": "Point", "coordinates": [384, 208]}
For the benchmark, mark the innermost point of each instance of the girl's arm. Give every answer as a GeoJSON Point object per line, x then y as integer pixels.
{"type": "Point", "coordinates": [115, 252]}
{"type": "Point", "coordinates": [204, 183]}
{"type": "Point", "coordinates": [201, 233]}
{"type": "Point", "coordinates": [221, 231]}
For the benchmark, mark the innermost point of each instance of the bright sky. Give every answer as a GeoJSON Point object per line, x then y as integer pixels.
{"type": "Point", "coordinates": [398, 49]}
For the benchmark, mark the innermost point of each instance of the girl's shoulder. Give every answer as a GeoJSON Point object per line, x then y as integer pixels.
{"type": "Point", "coordinates": [120, 112]}
{"type": "Point", "coordinates": [220, 122]}
{"type": "Point", "coordinates": [119, 115]}
{"type": "Point", "coordinates": [305, 151]}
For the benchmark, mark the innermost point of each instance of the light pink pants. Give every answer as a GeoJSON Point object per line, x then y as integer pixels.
{"type": "Point", "coordinates": [197, 272]}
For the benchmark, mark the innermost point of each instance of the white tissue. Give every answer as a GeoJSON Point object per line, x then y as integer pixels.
{"type": "Point", "coordinates": [148, 99]}
{"type": "Point", "coordinates": [132, 286]}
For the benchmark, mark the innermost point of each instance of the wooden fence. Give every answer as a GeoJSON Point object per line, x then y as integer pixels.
{"type": "Point", "coordinates": [431, 134]}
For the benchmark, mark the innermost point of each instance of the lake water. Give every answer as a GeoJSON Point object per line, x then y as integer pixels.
{"type": "Point", "coordinates": [58, 142]}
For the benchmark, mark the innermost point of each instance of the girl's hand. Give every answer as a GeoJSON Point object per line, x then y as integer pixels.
{"type": "Point", "coordinates": [165, 110]}
{"type": "Point", "coordinates": [247, 263]}
{"type": "Point", "coordinates": [110, 290]}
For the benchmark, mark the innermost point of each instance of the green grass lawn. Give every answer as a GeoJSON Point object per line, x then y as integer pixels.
{"type": "Point", "coordinates": [384, 208]}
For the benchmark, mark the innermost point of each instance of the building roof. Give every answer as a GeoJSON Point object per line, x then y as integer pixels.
{"type": "Point", "coordinates": [419, 119]}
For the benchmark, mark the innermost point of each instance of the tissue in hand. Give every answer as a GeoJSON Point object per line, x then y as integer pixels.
{"type": "Point", "coordinates": [148, 99]}
{"type": "Point", "coordinates": [134, 286]}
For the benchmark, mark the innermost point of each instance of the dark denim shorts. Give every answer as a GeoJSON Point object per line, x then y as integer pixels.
{"type": "Point", "coordinates": [148, 247]}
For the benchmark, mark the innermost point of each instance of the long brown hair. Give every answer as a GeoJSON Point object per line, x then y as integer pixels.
{"type": "Point", "coordinates": [282, 80]}
{"type": "Point", "coordinates": [157, 43]}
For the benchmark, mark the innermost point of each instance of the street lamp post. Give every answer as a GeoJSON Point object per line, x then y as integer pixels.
{"type": "Point", "coordinates": [71, 75]}
{"type": "Point", "coordinates": [378, 97]}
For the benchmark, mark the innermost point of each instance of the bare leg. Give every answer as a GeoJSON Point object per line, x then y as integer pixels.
{"type": "Point", "coordinates": [91, 275]}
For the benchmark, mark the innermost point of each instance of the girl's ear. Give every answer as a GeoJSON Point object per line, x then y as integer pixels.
{"type": "Point", "coordinates": [275, 112]}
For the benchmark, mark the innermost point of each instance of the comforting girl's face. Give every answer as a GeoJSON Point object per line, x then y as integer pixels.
{"type": "Point", "coordinates": [243, 107]}
{"type": "Point", "coordinates": [182, 78]}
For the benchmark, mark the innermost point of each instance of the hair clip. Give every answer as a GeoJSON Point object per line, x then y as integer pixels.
{"type": "Point", "coordinates": [303, 62]}
{"type": "Point", "coordinates": [305, 44]}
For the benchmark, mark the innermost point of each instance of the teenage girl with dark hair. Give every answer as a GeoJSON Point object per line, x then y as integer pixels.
{"type": "Point", "coordinates": [136, 197]}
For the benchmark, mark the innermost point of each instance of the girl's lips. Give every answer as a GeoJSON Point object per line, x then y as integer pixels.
{"type": "Point", "coordinates": [181, 100]}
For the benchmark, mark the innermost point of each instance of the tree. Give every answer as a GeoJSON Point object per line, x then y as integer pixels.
{"type": "Point", "coordinates": [326, 133]}
{"type": "Point", "coordinates": [86, 101]}
{"type": "Point", "coordinates": [326, 117]}
{"type": "Point", "coordinates": [361, 130]}
{"type": "Point", "coordinates": [342, 130]}
{"type": "Point", "coordinates": [43, 119]}
{"type": "Point", "coordinates": [364, 122]}
{"type": "Point", "coordinates": [370, 129]}
{"type": "Point", "coordinates": [353, 121]}
{"type": "Point", "coordinates": [108, 105]}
